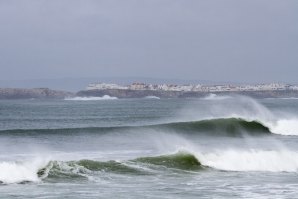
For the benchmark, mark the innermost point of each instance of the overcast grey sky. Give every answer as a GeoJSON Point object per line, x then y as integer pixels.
{"type": "Point", "coordinates": [221, 40]}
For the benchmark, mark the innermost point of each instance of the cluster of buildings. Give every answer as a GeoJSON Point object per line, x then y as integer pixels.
{"type": "Point", "coordinates": [193, 88]}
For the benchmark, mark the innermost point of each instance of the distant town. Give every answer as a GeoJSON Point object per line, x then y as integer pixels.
{"type": "Point", "coordinates": [143, 90]}
{"type": "Point", "coordinates": [193, 88]}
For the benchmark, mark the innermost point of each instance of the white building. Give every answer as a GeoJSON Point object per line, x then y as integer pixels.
{"type": "Point", "coordinates": [196, 88]}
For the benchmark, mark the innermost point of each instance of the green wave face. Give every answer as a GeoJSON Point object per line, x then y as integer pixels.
{"type": "Point", "coordinates": [229, 126]}
{"type": "Point", "coordinates": [181, 160]}
{"type": "Point", "coordinates": [109, 166]}
{"type": "Point", "coordinates": [83, 168]}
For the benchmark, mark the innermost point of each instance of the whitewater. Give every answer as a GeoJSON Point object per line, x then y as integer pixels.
{"type": "Point", "coordinates": [213, 147]}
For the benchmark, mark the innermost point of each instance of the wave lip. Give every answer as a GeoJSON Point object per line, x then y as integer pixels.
{"type": "Point", "coordinates": [105, 97]}
{"type": "Point", "coordinates": [221, 126]}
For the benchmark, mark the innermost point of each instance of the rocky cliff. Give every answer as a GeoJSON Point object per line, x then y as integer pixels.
{"type": "Point", "coordinates": [35, 93]}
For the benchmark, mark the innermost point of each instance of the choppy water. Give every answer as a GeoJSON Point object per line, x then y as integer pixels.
{"type": "Point", "coordinates": [216, 147]}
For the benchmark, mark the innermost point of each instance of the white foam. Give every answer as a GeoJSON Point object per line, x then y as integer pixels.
{"type": "Point", "coordinates": [251, 160]}
{"type": "Point", "coordinates": [213, 96]}
{"type": "Point", "coordinates": [105, 97]}
{"type": "Point", "coordinates": [284, 126]}
{"type": "Point", "coordinates": [152, 97]}
{"type": "Point", "coordinates": [16, 172]}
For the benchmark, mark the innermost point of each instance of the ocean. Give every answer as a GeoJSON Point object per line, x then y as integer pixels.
{"type": "Point", "coordinates": [213, 147]}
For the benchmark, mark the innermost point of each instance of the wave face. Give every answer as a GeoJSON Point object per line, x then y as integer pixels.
{"type": "Point", "coordinates": [224, 126]}
{"type": "Point", "coordinates": [139, 166]}
{"type": "Point", "coordinates": [181, 160]}
{"type": "Point", "coordinates": [84, 168]}
{"type": "Point", "coordinates": [105, 97]}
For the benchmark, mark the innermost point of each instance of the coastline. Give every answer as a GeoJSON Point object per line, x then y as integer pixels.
{"type": "Point", "coordinates": [46, 93]}
{"type": "Point", "coordinates": [33, 93]}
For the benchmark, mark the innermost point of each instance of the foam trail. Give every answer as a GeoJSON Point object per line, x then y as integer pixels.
{"type": "Point", "coordinates": [105, 97]}
{"type": "Point", "coordinates": [152, 97]}
{"type": "Point", "coordinates": [17, 172]}
{"type": "Point", "coordinates": [251, 160]}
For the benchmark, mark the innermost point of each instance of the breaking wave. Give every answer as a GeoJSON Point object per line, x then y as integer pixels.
{"type": "Point", "coordinates": [223, 126]}
{"type": "Point", "coordinates": [251, 160]}
{"type": "Point", "coordinates": [20, 172]}
{"type": "Point", "coordinates": [278, 121]}
{"type": "Point", "coordinates": [229, 160]}
{"type": "Point", "coordinates": [152, 97]}
{"type": "Point", "coordinates": [105, 97]}
{"type": "Point", "coordinates": [213, 96]}
{"type": "Point", "coordinates": [285, 127]}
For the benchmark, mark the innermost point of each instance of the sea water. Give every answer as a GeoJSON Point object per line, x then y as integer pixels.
{"type": "Point", "coordinates": [213, 147]}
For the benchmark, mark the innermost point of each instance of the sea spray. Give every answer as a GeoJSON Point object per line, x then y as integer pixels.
{"type": "Point", "coordinates": [225, 107]}
{"type": "Point", "coordinates": [284, 126]}
{"type": "Point", "coordinates": [251, 160]}
{"type": "Point", "coordinates": [243, 107]}
{"type": "Point", "coordinates": [17, 172]}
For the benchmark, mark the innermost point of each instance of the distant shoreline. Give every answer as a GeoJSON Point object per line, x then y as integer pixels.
{"type": "Point", "coordinates": [34, 93]}
{"type": "Point", "coordinates": [46, 93]}
{"type": "Point", "coordinates": [119, 93]}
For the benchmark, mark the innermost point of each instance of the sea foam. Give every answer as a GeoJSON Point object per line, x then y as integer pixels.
{"type": "Point", "coordinates": [17, 172]}
{"type": "Point", "coordinates": [105, 97]}
{"type": "Point", "coordinates": [251, 160]}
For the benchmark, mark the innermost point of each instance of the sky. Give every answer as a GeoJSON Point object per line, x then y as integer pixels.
{"type": "Point", "coordinates": [215, 40]}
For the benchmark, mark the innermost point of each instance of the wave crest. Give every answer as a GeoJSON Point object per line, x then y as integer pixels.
{"type": "Point", "coordinates": [105, 97]}
{"type": "Point", "coordinates": [229, 160]}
